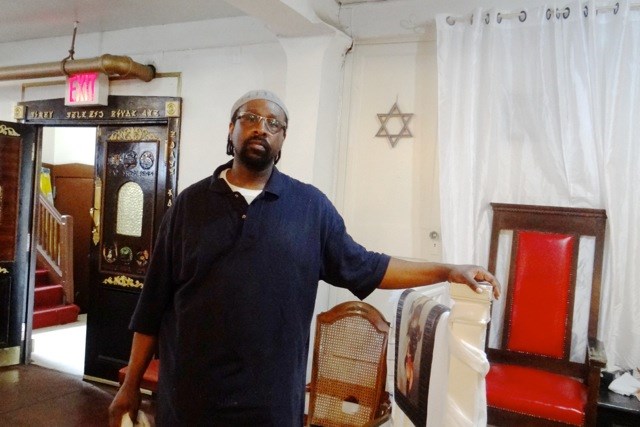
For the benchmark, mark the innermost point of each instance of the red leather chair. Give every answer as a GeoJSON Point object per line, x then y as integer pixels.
{"type": "Point", "coordinates": [532, 380]}
{"type": "Point", "coordinates": [149, 379]}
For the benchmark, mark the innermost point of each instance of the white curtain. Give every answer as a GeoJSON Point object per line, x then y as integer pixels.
{"type": "Point", "coordinates": [542, 106]}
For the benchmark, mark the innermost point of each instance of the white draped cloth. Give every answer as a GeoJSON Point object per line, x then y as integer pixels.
{"type": "Point", "coordinates": [541, 106]}
{"type": "Point", "coordinates": [455, 364]}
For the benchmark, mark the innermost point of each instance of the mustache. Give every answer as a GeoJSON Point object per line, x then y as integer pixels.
{"type": "Point", "coordinates": [261, 141]}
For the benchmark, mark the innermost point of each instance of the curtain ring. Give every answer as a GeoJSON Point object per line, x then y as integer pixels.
{"type": "Point", "coordinates": [499, 18]}
{"type": "Point", "coordinates": [616, 8]}
{"type": "Point", "coordinates": [451, 20]}
{"type": "Point", "coordinates": [487, 18]}
{"type": "Point", "coordinates": [585, 11]}
{"type": "Point", "coordinates": [549, 13]}
{"type": "Point", "coordinates": [523, 16]}
{"type": "Point", "coordinates": [566, 12]}
{"type": "Point", "coordinates": [557, 13]}
{"type": "Point", "coordinates": [471, 19]}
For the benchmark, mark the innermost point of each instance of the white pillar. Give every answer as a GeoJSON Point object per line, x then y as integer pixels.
{"type": "Point", "coordinates": [468, 364]}
{"type": "Point", "coordinates": [314, 83]}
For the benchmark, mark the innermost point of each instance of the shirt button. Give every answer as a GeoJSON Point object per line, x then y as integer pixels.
{"type": "Point", "coordinates": [237, 195]}
{"type": "Point", "coordinates": [244, 217]}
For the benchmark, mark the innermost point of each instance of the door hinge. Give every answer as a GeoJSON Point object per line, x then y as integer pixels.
{"type": "Point", "coordinates": [28, 243]}
{"type": "Point", "coordinates": [23, 335]}
{"type": "Point", "coordinates": [33, 152]}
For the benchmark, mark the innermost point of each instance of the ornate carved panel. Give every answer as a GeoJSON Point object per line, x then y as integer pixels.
{"type": "Point", "coordinates": [130, 177]}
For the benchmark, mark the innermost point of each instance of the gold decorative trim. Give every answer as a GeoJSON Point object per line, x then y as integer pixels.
{"type": "Point", "coordinates": [9, 131]}
{"type": "Point", "coordinates": [132, 134]}
{"type": "Point", "coordinates": [169, 197]}
{"type": "Point", "coordinates": [172, 109]}
{"type": "Point", "coordinates": [4, 270]}
{"type": "Point", "coordinates": [19, 112]}
{"type": "Point", "coordinates": [123, 281]}
{"type": "Point", "coordinates": [95, 210]}
{"type": "Point", "coordinates": [172, 157]}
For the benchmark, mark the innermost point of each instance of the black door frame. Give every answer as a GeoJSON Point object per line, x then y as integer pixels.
{"type": "Point", "coordinates": [21, 266]}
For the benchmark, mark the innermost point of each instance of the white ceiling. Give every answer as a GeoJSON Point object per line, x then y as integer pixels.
{"type": "Point", "coordinates": [35, 19]}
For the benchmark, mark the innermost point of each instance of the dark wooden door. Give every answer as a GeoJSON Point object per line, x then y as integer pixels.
{"type": "Point", "coordinates": [137, 145]}
{"type": "Point", "coordinates": [130, 192]}
{"type": "Point", "coordinates": [17, 148]}
{"type": "Point", "coordinates": [73, 185]}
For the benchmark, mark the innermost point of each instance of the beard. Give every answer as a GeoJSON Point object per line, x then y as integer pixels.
{"type": "Point", "coordinates": [254, 158]}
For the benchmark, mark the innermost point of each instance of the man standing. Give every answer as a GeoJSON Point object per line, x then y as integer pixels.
{"type": "Point", "coordinates": [231, 286]}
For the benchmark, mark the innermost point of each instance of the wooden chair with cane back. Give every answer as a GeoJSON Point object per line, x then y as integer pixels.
{"type": "Point", "coordinates": [348, 376]}
{"type": "Point", "coordinates": [534, 379]}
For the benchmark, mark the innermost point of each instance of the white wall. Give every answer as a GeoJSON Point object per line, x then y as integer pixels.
{"type": "Point", "coordinates": [214, 70]}
{"type": "Point", "coordinates": [69, 145]}
{"type": "Point", "coordinates": [388, 195]}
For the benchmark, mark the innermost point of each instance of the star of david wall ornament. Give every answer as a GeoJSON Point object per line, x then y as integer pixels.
{"type": "Point", "coordinates": [394, 115]}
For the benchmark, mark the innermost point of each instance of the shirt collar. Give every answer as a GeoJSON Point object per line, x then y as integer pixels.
{"type": "Point", "coordinates": [274, 186]}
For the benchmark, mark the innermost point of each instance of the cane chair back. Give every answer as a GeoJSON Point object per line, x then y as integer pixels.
{"type": "Point", "coordinates": [349, 366]}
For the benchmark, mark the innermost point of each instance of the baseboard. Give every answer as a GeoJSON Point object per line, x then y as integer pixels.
{"type": "Point", "coordinates": [10, 356]}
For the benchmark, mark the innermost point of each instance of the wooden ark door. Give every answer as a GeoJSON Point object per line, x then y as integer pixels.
{"type": "Point", "coordinates": [17, 148]}
{"type": "Point", "coordinates": [137, 145]}
{"type": "Point", "coordinates": [133, 164]}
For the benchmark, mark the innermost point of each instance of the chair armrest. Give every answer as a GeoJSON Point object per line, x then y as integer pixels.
{"type": "Point", "coordinates": [597, 361]}
{"type": "Point", "coordinates": [596, 353]}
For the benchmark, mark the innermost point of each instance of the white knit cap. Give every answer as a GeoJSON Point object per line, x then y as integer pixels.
{"type": "Point", "coordinates": [259, 94]}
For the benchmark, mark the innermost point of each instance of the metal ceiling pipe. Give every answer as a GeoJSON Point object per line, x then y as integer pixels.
{"type": "Point", "coordinates": [122, 66]}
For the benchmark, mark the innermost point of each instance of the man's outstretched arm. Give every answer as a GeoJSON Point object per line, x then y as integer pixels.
{"type": "Point", "coordinates": [128, 397]}
{"type": "Point", "coordinates": [402, 274]}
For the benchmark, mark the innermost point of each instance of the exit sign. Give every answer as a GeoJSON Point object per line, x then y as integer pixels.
{"type": "Point", "coordinates": [87, 89]}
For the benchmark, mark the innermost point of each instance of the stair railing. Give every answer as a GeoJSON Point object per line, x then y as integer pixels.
{"type": "Point", "coordinates": [54, 243]}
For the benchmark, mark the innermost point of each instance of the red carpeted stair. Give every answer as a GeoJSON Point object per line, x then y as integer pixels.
{"type": "Point", "coordinates": [49, 308]}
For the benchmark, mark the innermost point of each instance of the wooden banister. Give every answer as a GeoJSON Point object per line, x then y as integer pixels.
{"type": "Point", "coordinates": [54, 236]}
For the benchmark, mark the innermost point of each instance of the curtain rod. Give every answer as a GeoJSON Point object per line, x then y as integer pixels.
{"type": "Point", "coordinates": [522, 15]}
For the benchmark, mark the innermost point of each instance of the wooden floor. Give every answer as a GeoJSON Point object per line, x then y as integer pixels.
{"type": "Point", "coordinates": [33, 396]}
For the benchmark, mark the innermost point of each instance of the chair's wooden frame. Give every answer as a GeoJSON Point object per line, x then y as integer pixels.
{"type": "Point", "coordinates": [377, 320]}
{"type": "Point", "coordinates": [574, 221]}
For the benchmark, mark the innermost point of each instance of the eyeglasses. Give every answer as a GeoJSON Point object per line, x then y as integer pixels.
{"type": "Point", "coordinates": [273, 125]}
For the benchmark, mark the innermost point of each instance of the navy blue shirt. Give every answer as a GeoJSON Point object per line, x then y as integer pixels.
{"type": "Point", "coordinates": [230, 292]}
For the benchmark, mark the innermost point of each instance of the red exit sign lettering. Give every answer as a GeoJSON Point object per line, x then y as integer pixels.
{"type": "Point", "coordinates": [87, 89]}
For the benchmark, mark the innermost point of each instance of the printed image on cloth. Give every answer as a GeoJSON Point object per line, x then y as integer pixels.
{"type": "Point", "coordinates": [416, 321]}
